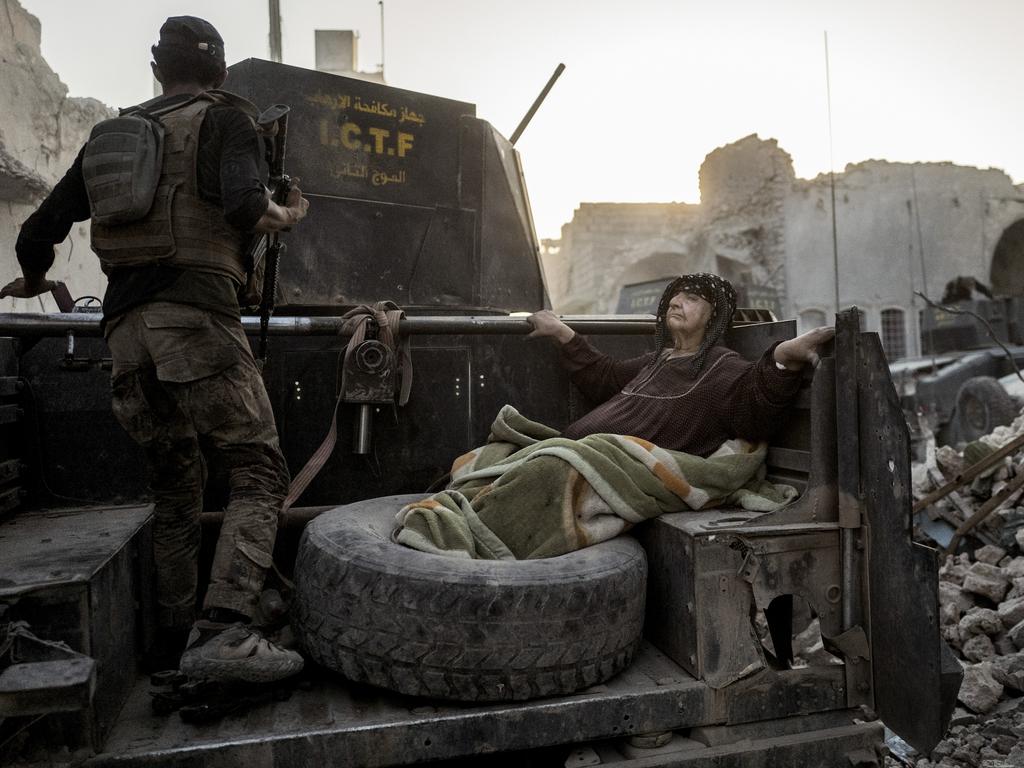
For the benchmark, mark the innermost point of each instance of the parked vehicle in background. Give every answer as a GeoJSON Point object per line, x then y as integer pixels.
{"type": "Point", "coordinates": [966, 383]}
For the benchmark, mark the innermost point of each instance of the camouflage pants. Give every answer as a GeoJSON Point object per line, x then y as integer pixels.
{"type": "Point", "coordinates": [180, 374]}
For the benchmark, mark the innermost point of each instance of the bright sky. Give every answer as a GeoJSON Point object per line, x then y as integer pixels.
{"type": "Point", "coordinates": [650, 87]}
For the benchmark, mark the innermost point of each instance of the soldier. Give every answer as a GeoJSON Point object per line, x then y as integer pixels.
{"type": "Point", "coordinates": [182, 367]}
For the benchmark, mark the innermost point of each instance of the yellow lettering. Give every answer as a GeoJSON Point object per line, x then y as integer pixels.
{"type": "Point", "coordinates": [404, 143]}
{"type": "Point", "coordinates": [379, 134]}
{"type": "Point", "coordinates": [348, 133]}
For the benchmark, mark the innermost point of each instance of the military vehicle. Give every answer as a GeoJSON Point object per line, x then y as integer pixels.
{"type": "Point", "coordinates": [416, 200]}
{"type": "Point", "coordinates": [966, 393]}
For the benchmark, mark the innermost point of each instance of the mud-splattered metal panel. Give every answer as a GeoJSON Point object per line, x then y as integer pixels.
{"type": "Point", "coordinates": [912, 694]}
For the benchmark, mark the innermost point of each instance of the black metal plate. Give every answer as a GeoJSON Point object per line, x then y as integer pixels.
{"type": "Point", "coordinates": [903, 576]}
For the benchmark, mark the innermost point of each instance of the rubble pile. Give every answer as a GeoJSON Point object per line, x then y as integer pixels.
{"type": "Point", "coordinates": [981, 599]}
{"type": "Point", "coordinates": [996, 492]}
{"type": "Point", "coordinates": [981, 613]}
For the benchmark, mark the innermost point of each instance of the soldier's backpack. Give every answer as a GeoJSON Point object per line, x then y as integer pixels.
{"type": "Point", "coordinates": [122, 163]}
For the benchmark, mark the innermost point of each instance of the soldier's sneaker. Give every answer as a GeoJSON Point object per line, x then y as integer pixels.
{"type": "Point", "coordinates": [236, 653]}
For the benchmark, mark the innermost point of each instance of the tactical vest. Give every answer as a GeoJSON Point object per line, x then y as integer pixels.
{"type": "Point", "coordinates": [181, 229]}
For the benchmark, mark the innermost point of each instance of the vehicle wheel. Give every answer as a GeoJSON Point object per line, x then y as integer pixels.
{"type": "Point", "coordinates": [452, 628]}
{"type": "Point", "coordinates": [982, 405]}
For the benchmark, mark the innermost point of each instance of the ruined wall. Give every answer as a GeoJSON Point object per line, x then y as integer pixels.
{"type": "Point", "coordinates": [743, 189]}
{"type": "Point", "coordinates": [736, 231]}
{"type": "Point", "coordinates": [900, 228]}
{"type": "Point", "coordinates": [601, 243]}
{"type": "Point", "coordinates": [41, 132]}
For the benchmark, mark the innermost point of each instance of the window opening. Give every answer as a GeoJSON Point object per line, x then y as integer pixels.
{"type": "Point", "coordinates": [894, 334]}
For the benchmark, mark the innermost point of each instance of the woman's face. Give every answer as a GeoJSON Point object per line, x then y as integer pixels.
{"type": "Point", "coordinates": [688, 314]}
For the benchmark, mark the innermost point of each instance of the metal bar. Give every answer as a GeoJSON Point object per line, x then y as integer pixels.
{"type": "Point", "coordinates": [847, 430]}
{"type": "Point", "coordinates": [536, 105]}
{"type": "Point", "coordinates": [363, 433]}
{"type": "Point", "coordinates": [88, 324]}
{"type": "Point", "coordinates": [832, 175]}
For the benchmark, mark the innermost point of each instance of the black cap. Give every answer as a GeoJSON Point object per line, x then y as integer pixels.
{"type": "Point", "coordinates": [192, 34]}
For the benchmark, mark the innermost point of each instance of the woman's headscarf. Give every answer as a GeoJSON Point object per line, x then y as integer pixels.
{"type": "Point", "coordinates": [716, 291]}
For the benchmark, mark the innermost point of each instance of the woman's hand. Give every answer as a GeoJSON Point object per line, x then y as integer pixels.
{"type": "Point", "coordinates": [546, 323]}
{"type": "Point", "coordinates": [795, 353]}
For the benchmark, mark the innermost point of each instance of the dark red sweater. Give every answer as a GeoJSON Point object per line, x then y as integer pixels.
{"type": "Point", "coordinates": [663, 401]}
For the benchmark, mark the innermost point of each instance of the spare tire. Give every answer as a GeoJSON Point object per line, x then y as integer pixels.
{"type": "Point", "coordinates": [468, 630]}
{"type": "Point", "coordinates": [982, 405]}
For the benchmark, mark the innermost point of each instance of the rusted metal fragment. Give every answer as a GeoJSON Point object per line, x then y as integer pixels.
{"type": "Point", "coordinates": [851, 644]}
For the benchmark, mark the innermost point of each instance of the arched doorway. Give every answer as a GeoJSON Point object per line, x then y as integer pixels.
{"type": "Point", "coordinates": [1007, 274]}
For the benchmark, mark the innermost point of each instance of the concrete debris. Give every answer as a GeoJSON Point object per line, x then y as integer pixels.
{"type": "Point", "coordinates": [980, 691]}
{"type": "Point", "coordinates": [1017, 589]}
{"type": "Point", "coordinates": [988, 581]}
{"type": "Point", "coordinates": [949, 461]}
{"type": "Point", "coordinates": [989, 554]}
{"type": "Point", "coordinates": [1016, 634]}
{"type": "Point", "coordinates": [1011, 612]}
{"type": "Point", "coordinates": [1009, 671]}
{"type": "Point", "coordinates": [980, 621]}
{"type": "Point", "coordinates": [981, 604]}
{"type": "Point", "coordinates": [955, 569]}
{"type": "Point", "coordinates": [979, 648]}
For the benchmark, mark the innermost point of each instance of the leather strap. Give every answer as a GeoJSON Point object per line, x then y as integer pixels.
{"type": "Point", "coordinates": [387, 316]}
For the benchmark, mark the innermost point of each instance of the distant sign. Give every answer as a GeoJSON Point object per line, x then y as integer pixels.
{"type": "Point", "coordinates": [641, 298]}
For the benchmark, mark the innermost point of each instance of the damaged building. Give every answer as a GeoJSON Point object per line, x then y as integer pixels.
{"type": "Point", "coordinates": [900, 228]}
{"type": "Point", "coordinates": [41, 132]}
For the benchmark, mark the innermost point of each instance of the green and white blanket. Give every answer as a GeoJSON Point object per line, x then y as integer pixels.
{"type": "Point", "coordinates": [529, 493]}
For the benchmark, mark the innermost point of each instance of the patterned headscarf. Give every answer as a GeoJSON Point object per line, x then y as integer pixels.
{"type": "Point", "coordinates": [716, 291]}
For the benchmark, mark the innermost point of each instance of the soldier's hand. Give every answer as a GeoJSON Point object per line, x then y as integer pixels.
{"type": "Point", "coordinates": [547, 323]}
{"type": "Point", "coordinates": [296, 204]}
{"type": "Point", "coordinates": [27, 287]}
{"type": "Point", "coordinates": [795, 353]}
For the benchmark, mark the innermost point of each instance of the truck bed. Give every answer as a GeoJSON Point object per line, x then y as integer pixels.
{"type": "Point", "coordinates": [328, 721]}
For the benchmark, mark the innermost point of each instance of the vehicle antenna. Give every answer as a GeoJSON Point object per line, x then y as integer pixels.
{"type": "Point", "coordinates": [381, 4]}
{"type": "Point", "coordinates": [832, 174]}
{"type": "Point", "coordinates": [536, 105]}
{"type": "Point", "coordinates": [924, 272]}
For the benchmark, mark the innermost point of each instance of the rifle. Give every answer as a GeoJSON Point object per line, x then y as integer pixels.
{"type": "Point", "coordinates": [273, 124]}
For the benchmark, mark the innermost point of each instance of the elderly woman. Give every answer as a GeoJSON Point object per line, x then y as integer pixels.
{"type": "Point", "coordinates": [530, 492]}
{"type": "Point", "coordinates": [695, 394]}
